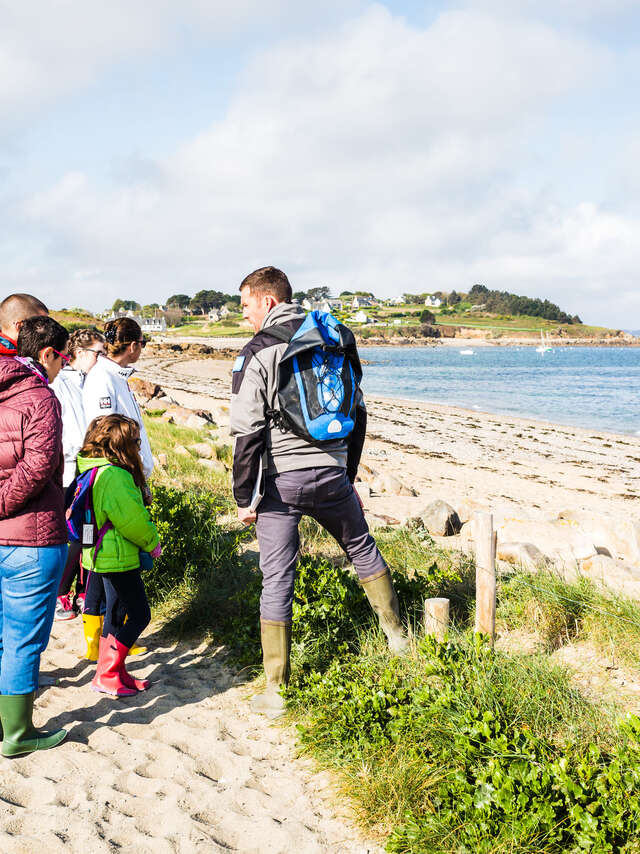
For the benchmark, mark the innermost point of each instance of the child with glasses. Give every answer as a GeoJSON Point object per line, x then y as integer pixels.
{"type": "Point", "coordinates": [85, 345]}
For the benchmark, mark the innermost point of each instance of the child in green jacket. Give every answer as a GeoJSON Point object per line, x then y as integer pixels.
{"type": "Point", "coordinates": [112, 446]}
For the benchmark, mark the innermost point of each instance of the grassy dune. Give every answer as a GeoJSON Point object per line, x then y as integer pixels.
{"type": "Point", "coordinates": [453, 748]}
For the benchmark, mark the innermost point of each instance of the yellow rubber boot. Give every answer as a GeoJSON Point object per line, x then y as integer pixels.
{"type": "Point", "coordinates": [137, 650]}
{"type": "Point", "coordinates": [382, 598]}
{"type": "Point", "coordinates": [276, 650]}
{"type": "Point", "coordinates": [92, 628]}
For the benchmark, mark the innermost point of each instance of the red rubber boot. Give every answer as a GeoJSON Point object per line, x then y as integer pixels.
{"type": "Point", "coordinates": [108, 679]}
{"type": "Point", "coordinates": [127, 679]}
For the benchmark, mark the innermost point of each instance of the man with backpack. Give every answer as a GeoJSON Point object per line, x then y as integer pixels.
{"type": "Point", "coordinates": [299, 421]}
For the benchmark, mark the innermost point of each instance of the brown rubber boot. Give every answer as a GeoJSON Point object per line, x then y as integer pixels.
{"type": "Point", "coordinates": [382, 598]}
{"type": "Point", "coordinates": [276, 649]}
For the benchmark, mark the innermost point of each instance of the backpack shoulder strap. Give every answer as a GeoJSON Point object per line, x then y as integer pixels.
{"type": "Point", "coordinates": [281, 332]}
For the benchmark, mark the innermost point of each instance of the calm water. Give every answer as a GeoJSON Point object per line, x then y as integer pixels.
{"type": "Point", "coordinates": [594, 387]}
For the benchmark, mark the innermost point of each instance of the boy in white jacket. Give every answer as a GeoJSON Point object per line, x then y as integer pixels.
{"type": "Point", "coordinates": [85, 346]}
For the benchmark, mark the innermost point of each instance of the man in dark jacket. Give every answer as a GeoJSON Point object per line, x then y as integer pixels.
{"type": "Point", "coordinates": [302, 478]}
{"type": "Point", "coordinates": [33, 534]}
{"type": "Point", "coordinates": [13, 310]}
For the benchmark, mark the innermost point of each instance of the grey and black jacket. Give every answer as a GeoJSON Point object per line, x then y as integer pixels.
{"type": "Point", "coordinates": [254, 393]}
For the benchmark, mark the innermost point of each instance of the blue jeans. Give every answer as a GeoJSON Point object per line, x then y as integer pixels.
{"type": "Point", "coordinates": [29, 579]}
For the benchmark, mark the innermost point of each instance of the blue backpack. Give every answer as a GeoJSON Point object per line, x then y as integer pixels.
{"type": "Point", "coordinates": [318, 379]}
{"type": "Point", "coordinates": [81, 517]}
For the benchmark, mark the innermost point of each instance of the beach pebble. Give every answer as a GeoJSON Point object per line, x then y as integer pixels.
{"type": "Point", "coordinates": [441, 519]}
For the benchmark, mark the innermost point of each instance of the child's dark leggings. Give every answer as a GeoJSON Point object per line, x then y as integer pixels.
{"type": "Point", "coordinates": [71, 571]}
{"type": "Point", "coordinates": [125, 598]}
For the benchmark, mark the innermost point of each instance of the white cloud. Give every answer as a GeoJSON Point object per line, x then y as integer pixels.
{"type": "Point", "coordinates": [385, 155]}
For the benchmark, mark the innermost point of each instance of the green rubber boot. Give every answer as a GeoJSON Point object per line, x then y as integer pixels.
{"type": "Point", "coordinates": [19, 734]}
{"type": "Point", "coordinates": [276, 649]}
{"type": "Point", "coordinates": [382, 598]}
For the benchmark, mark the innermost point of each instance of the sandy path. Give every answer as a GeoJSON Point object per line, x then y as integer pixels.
{"type": "Point", "coordinates": [184, 768]}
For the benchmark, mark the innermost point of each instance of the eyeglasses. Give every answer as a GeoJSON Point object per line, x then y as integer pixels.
{"type": "Point", "coordinates": [89, 350]}
{"type": "Point", "coordinates": [141, 341]}
{"type": "Point", "coordinates": [64, 357]}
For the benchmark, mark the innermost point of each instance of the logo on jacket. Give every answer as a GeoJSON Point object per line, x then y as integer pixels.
{"type": "Point", "coordinates": [105, 403]}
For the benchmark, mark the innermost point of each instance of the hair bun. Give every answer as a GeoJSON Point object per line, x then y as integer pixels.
{"type": "Point", "coordinates": [110, 335]}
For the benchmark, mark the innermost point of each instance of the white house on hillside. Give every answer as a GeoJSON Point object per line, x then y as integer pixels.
{"type": "Point", "coordinates": [362, 302]}
{"type": "Point", "coordinates": [432, 302]}
{"type": "Point", "coordinates": [360, 317]}
{"type": "Point", "coordinates": [157, 323]}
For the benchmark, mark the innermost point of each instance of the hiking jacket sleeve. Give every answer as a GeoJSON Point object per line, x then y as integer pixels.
{"type": "Point", "coordinates": [356, 439]}
{"type": "Point", "coordinates": [121, 501]}
{"type": "Point", "coordinates": [248, 423]}
{"type": "Point", "coordinates": [41, 456]}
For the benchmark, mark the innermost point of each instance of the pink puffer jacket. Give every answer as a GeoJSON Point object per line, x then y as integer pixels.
{"type": "Point", "coordinates": [31, 461]}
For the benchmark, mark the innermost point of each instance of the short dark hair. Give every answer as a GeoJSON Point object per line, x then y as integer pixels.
{"type": "Point", "coordinates": [39, 332]}
{"type": "Point", "coordinates": [121, 332]}
{"type": "Point", "coordinates": [268, 280]}
{"type": "Point", "coordinates": [17, 307]}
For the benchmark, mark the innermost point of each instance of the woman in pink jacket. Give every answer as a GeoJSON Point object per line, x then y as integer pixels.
{"type": "Point", "coordinates": [33, 532]}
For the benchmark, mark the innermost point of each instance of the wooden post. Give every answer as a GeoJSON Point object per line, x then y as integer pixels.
{"type": "Point", "coordinates": [436, 618]}
{"type": "Point", "coordinates": [486, 541]}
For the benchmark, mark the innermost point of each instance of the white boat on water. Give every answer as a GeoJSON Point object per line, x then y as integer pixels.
{"type": "Point", "coordinates": [466, 352]}
{"type": "Point", "coordinates": [544, 346]}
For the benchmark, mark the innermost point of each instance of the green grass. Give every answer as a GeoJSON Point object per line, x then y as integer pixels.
{"type": "Point", "coordinates": [454, 748]}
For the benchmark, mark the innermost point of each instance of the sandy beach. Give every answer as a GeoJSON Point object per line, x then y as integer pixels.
{"type": "Point", "coordinates": [510, 465]}
{"type": "Point", "coordinates": [184, 768]}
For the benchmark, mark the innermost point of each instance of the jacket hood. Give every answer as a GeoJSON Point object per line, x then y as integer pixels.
{"type": "Point", "coordinates": [86, 463]}
{"type": "Point", "coordinates": [281, 313]}
{"type": "Point", "coordinates": [16, 378]}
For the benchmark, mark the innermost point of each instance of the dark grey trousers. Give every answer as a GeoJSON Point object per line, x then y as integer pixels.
{"type": "Point", "coordinates": [327, 496]}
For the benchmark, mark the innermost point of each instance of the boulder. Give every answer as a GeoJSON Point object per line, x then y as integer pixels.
{"type": "Point", "coordinates": [617, 535]}
{"type": "Point", "coordinates": [440, 519]}
{"type": "Point", "coordinates": [144, 388]}
{"type": "Point", "coordinates": [180, 449]}
{"type": "Point", "coordinates": [213, 465]}
{"type": "Point", "coordinates": [391, 484]}
{"type": "Point", "coordinates": [612, 574]}
{"type": "Point", "coordinates": [196, 422]}
{"type": "Point", "coordinates": [202, 450]}
{"type": "Point", "coordinates": [561, 542]}
{"type": "Point", "coordinates": [380, 520]}
{"type": "Point", "coordinates": [521, 554]}
{"type": "Point", "coordinates": [363, 489]}
{"type": "Point", "coordinates": [163, 461]}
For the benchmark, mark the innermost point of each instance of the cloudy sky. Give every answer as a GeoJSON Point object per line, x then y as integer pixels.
{"type": "Point", "coordinates": [150, 148]}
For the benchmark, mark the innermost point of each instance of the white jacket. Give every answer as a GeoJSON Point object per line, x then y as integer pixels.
{"type": "Point", "coordinates": [106, 392]}
{"type": "Point", "coordinates": [68, 389]}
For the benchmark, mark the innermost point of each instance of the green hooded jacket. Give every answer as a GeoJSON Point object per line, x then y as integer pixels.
{"type": "Point", "coordinates": [117, 498]}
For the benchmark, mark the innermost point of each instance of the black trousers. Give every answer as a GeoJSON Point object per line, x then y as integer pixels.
{"type": "Point", "coordinates": [127, 608]}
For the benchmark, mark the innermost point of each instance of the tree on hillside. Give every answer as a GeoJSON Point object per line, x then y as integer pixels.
{"type": "Point", "coordinates": [320, 292]}
{"type": "Point", "coordinates": [125, 305]}
{"type": "Point", "coordinates": [299, 295]}
{"type": "Point", "coordinates": [204, 301]}
{"type": "Point", "coordinates": [414, 299]}
{"type": "Point", "coordinates": [427, 316]}
{"type": "Point", "coordinates": [453, 298]}
{"type": "Point", "coordinates": [179, 300]}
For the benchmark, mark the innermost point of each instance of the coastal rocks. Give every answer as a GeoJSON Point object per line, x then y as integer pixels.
{"type": "Point", "coordinates": [186, 417]}
{"type": "Point", "coordinates": [202, 450]}
{"type": "Point", "coordinates": [392, 485]}
{"type": "Point", "coordinates": [525, 555]}
{"type": "Point", "coordinates": [380, 520]}
{"type": "Point", "coordinates": [613, 574]}
{"type": "Point", "coordinates": [561, 542]}
{"type": "Point", "coordinates": [618, 536]}
{"type": "Point", "coordinates": [163, 461]}
{"type": "Point", "coordinates": [440, 519]}
{"type": "Point", "coordinates": [143, 389]}
{"type": "Point", "coordinates": [181, 450]}
{"type": "Point", "coordinates": [213, 465]}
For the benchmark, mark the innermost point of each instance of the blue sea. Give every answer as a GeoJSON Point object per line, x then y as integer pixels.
{"type": "Point", "coordinates": [592, 387]}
